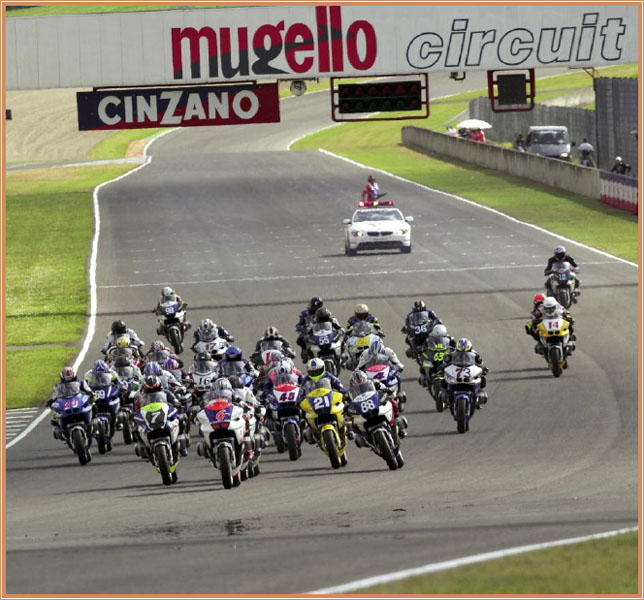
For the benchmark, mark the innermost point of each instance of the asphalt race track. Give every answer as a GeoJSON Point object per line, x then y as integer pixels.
{"type": "Point", "coordinates": [247, 232]}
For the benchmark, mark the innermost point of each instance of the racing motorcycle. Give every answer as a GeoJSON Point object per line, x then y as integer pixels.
{"type": "Point", "coordinates": [74, 414]}
{"type": "Point", "coordinates": [556, 343]}
{"type": "Point", "coordinates": [125, 414]}
{"type": "Point", "coordinates": [108, 401]}
{"type": "Point", "coordinates": [373, 421]}
{"type": "Point", "coordinates": [463, 381]}
{"type": "Point", "coordinates": [326, 344]}
{"type": "Point", "coordinates": [284, 403]}
{"type": "Point", "coordinates": [431, 375]}
{"type": "Point", "coordinates": [171, 317]}
{"type": "Point", "coordinates": [204, 374]}
{"type": "Point", "coordinates": [388, 376]}
{"type": "Point", "coordinates": [216, 348]}
{"type": "Point", "coordinates": [223, 428]}
{"type": "Point", "coordinates": [360, 339]}
{"type": "Point", "coordinates": [420, 326]}
{"type": "Point", "coordinates": [157, 425]}
{"type": "Point", "coordinates": [562, 282]}
{"type": "Point", "coordinates": [324, 411]}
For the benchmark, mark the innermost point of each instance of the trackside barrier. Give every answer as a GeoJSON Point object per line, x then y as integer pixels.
{"type": "Point", "coordinates": [619, 191]}
{"type": "Point", "coordinates": [546, 171]}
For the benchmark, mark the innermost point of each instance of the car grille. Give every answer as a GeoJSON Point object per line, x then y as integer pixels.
{"type": "Point", "coordinates": [373, 233]}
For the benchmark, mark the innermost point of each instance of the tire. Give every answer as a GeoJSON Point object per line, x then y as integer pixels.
{"type": "Point", "coordinates": [256, 470]}
{"type": "Point", "coordinates": [127, 431]}
{"type": "Point", "coordinates": [461, 415]}
{"type": "Point", "coordinates": [564, 298]}
{"type": "Point", "coordinates": [348, 251]}
{"type": "Point", "coordinates": [78, 443]}
{"type": "Point", "coordinates": [555, 361]}
{"type": "Point", "coordinates": [438, 399]}
{"type": "Point", "coordinates": [400, 460]}
{"type": "Point", "coordinates": [175, 339]}
{"type": "Point", "coordinates": [251, 471]}
{"type": "Point", "coordinates": [161, 459]}
{"type": "Point", "coordinates": [329, 440]}
{"type": "Point", "coordinates": [386, 451]}
{"type": "Point", "coordinates": [237, 479]}
{"type": "Point", "coordinates": [291, 441]}
{"type": "Point", "coordinates": [244, 473]}
{"type": "Point", "coordinates": [175, 477]}
{"type": "Point", "coordinates": [101, 439]}
{"type": "Point", "coordinates": [226, 469]}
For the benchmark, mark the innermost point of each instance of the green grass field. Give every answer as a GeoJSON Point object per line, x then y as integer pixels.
{"type": "Point", "coordinates": [49, 228]}
{"type": "Point", "coordinates": [607, 566]}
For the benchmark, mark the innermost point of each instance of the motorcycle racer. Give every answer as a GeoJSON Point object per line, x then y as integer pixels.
{"type": "Point", "coordinates": [361, 313]}
{"type": "Point", "coordinates": [272, 334]}
{"type": "Point", "coordinates": [233, 354]}
{"type": "Point", "coordinates": [551, 309]}
{"type": "Point", "coordinates": [209, 331]}
{"type": "Point", "coordinates": [377, 352]}
{"type": "Point", "coordinates": [371, 191]}
{"type": "Point", "coordinates": [560, 256]}
{"type": "Point", "coordinates": [316, 371]}
{"type": "Point", "coordinates": [307, 316]}
{"type": "Point", "coordinates": [68, 385]}
{"type": "Point", "coordinates": [158, 347]}
{"type": "Point", "coordinates": [169, 295]}
{"type": "Point", "coordinates": [119, 329]}
{"type": "Point", "coordinates": [465, 345]}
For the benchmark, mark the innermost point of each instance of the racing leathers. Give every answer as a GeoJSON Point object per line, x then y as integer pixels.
{"type": "Point", "coordinates": [111, 339]}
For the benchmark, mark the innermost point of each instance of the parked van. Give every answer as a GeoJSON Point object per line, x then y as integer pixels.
{"type": "Point", "coordinates": [551, 141]}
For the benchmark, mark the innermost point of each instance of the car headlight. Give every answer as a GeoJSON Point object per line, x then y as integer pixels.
{"type": "Point", "coordinates": [357, 233]}
{"type": "Point", "coordinates": [402, 231]}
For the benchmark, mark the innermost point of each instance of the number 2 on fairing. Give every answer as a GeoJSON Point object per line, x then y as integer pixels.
{"type": "Point", "coordinates": [321, 402]}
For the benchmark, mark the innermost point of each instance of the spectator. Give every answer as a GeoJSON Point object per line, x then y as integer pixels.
{"type": "Point", "coordinates": [451, 131]}
{"type": "Point", "coordinates": [464, 133]}
{"type": "Point", "coordinates": [477, 136]}
{"type": "Point", "coordinates": [585, 153]}
{"type": "Point", "coordinates": [519, 142]}
{"type": "Point", "coordinates": [620, 167]}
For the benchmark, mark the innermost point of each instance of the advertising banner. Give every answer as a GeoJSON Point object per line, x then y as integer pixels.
{"type": "Point", "coordinates": [206, 45]}
{"type": "Point", "coordinates": [178, 107]}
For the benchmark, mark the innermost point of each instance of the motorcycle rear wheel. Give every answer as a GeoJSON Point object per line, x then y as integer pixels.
{"type": "Point", "coordinates": [329, 441]}
{"type": "Point", "coordinates": [101, 438]}
{"type": "Point", "coordinates": [223, 458]}
{"type": "Point", "coordinates": [78, 443]}
{"type": "Point", "coordinates": [174, 337]}
{"type": "Point", "coordinates": [291, 441]}
{"type": "Point", "coordinates": [127, 431]}
{"type": "Point", "coordinates": [386, 451]}
{"type": "Point", "coordinates": [161, 459]}
{"type": "Point", "coordinates": [461, 415]}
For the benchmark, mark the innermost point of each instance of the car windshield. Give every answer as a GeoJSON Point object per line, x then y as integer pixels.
{"type": "Point", "coordinates": [378, 214]}
{"type": "Point", "coordinates": [549, 137]}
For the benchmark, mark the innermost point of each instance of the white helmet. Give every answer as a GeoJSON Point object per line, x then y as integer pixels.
{"type": "Point", "coordinates": [439, 331]}
{"type": "Point", "coordinates": [549, 306]}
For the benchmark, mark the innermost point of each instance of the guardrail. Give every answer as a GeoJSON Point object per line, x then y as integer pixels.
{"type": "Point", "coordinates": [619, 191]}
{"type": "Point", "coordinates": [546, 171]}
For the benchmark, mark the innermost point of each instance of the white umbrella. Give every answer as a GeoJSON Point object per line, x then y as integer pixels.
{"type": "Point", "coordinates": [474, 124]}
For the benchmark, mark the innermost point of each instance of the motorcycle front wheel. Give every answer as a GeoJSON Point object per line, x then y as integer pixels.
{"type": "Point", "coordinates": [555, 360]}
{"type": "Point", "coordinates": [291, 441]}
{"type": "Point", "coordinates": [386, 451]}
{"type": "Point", "coordinates": [174, 338]}
{"type": "Point", "coordinates": [78, 443]}
{"type": "Point", "coordinates": [328, 438]}
{"type": "Point", "coordinates": [461, 415]}
{"type": "Point", "coordinates": [161, 459]}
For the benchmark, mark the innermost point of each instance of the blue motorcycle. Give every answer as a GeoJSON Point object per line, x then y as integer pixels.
{"type": "Point", "coordinates": [463, 379]}
{"type": "Point", "coordinates": [171, 316]}
{"type": "Point", "coordinates": [284, 402]}
{"type": "Point", "coordinates": [108, 402]}
{"type": "Point", "coordinates": [74, 413]}
{"type": "Point", "coordinates": [326, 344]}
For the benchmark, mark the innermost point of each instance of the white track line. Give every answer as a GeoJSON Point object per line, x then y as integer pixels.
{"type": "Point", "coordinates": [91, 326]}
{"type": "Point", "coordinates": [371, 273]}
{"type": "Point", "coordinates": [481, 206]}
{"type": "Point", "coordinates": [460, 562]}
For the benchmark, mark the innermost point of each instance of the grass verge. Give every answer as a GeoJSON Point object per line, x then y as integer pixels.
{"type": "Point", "coordinates": [378, 144]}
{"type": "Point", "coordinates": [115, 146]}
{"type": "Point", "coordinates": [607, 566]}
{"type": "Point", "coordinates": [49, 228]}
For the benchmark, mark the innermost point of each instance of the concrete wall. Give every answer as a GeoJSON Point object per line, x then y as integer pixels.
{"type": "Point", "coordinates": [547, 171]}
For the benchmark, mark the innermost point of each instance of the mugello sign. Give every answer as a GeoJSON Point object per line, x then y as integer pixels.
{"type": "Point", "coordinates": [214, 45]}
{"type": "Point", "coordinates": [178, 107]}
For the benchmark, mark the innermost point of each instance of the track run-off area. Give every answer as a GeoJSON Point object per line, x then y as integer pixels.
{"type": "Point", "coordinates": [247, 231]}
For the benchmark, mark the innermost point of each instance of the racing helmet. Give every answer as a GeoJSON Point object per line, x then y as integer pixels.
{"type": "Point", "coordinates": [167, 291]}
{"type": "Point", "coordinates": [322, 315]}
{"type": "Point", "coordinates": [271, 332]}
{"type": "Point", "coordinates": [618, 159]}
{"type": "Point", "coordinates": [233, 353]}
{"type": "Point", "coordinates": [67, 374]}
{"type": "Point", "coordinates": [419, 306]}
{"type": "Point", "coordinates": [203, 357]}
{"type": "Point", "coordinates": [222, 385]}
{"type": "Point", "coordinates": [358, 378]}
{"type": "Point", "coordinates": [151, 383]}
{"type": "Point", "coordinates": [171, 365]}
{"type": "Point", "coordinates": [361, 311]}
{"type": "Point", "coordinates": [123, 342]}
{"type": "Point", "coordinates": [153, 368]}
{"type": "Point", "coordinates": [118, 327]}
{"type": "Point", "coordinates": [560, 252]}
{"type": "Point", "coordinates": [100, 366]}
{"type": "Point", "coordinates": [439, 330]}
{"type": "Point", "coordinates": [157, 346]}
{"type": "Point", "coordinates": [538, 299]}
{"type": "Point", "coordinates": [315, 303]}
{"type": "Point", "coordinates": [316, 369]}
{"type": "Point", "coordinates": [549, 306]}
{"type": "Point", "coordinates": [463, 345]}
{"type": "Point", "coordinates": [370, 179]}
{"type": "Point", "coordinates": [207, 324]}
{"type": "Point", "coordinates": [376, 347]}
{"type": "Point", "coordinates": [285, 367]}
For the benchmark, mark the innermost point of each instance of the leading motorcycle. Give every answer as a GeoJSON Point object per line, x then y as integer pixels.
{"type": "Point", "coordinates": [171, 316]}
{"type": "Point", "coordinates": [562, 282]}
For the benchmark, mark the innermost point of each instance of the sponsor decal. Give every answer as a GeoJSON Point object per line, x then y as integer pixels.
{"type": "Point", "coordinates": [321, 49]}
{"type": "Point", "coordinates": [178, 107]}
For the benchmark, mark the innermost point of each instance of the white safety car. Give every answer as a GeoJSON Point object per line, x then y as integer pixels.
{"type": "Point", "coordinates": [376, 228]}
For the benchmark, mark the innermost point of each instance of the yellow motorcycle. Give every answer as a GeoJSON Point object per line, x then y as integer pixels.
{"type": "Point", "coordinates": [556, 344]}
{"type": "Point", "coordinates": [324, 411]}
